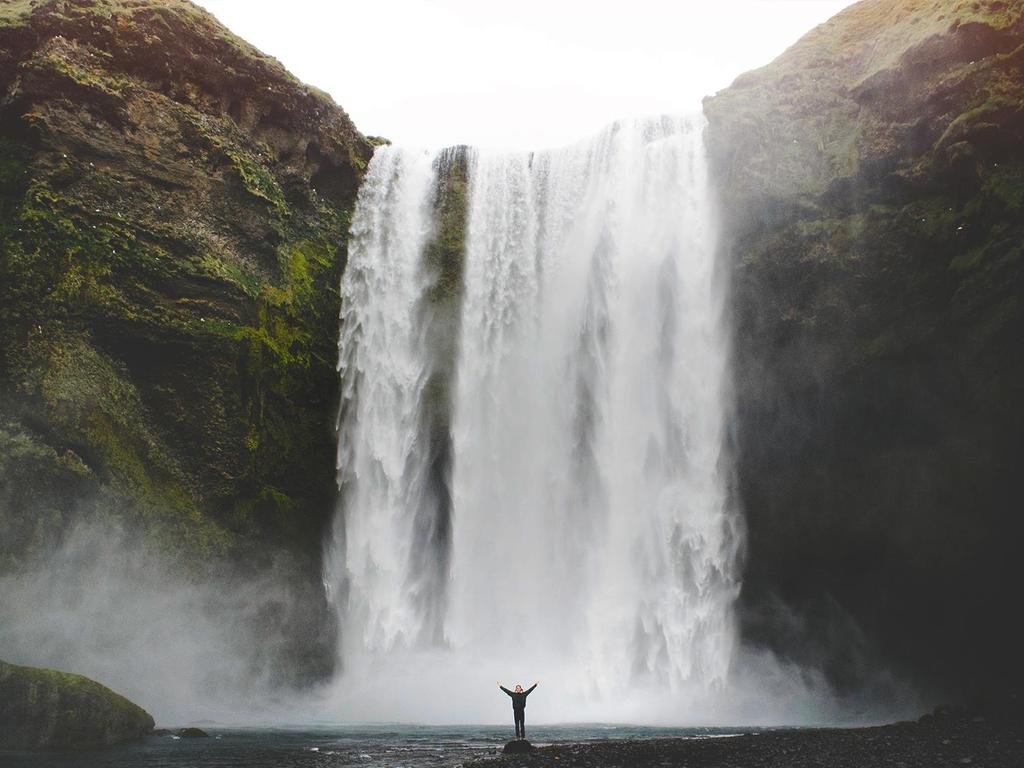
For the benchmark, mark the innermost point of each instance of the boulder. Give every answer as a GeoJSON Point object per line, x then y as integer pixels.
{"type": "Point", "coordinates": [43, 709]}
{"type": "Point", "coordinates": [518, 747]}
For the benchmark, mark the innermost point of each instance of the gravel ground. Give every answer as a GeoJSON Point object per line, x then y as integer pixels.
{"type": "Point", "coordinates": [933, 742]}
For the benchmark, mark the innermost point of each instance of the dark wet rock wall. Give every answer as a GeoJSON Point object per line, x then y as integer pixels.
{"type": "Point", "coordinates": [872, 182]}
{"type": "Point", "coordinates": [174, 208]}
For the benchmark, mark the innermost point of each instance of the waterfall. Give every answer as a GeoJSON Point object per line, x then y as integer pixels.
{"type": "Point", "coordinates": [384, 368]}
{"type": "Point", "coordinates": [581, 530]}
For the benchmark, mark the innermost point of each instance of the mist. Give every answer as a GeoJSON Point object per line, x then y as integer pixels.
{"type": "Point", "coordinates": [109, 604]}
{"type": "Point", "coordinates": [444, 688]}
{"type": "Point", "coordinates": [588, 536]}
{"type": "Point", "coordinates": [106, 605]}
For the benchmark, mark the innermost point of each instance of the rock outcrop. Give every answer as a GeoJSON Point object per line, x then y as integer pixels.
{"type": "Point", "coordinates": [42, 709]}
{"type": "Point", "coordinates": [873, 196]}
{"type": "Point", "coordinates": [949, 742]}
{"type": "Point", "coordinates": [518, 747]}
{"type": "Point", "coordinates": [173, 213]}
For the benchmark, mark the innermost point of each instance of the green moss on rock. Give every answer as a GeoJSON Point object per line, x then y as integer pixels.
{"type": "Point", "coordinates": [173, 214]}
{"type": "Point", "coordinates": [43, 709]}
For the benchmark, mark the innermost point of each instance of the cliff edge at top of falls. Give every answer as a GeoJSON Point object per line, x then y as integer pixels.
{"type": "Point", "coordinates": [883, 93]}
{"type": "Point", "coordinates": [872, 181]}
{"type": "Point", "coordinates": [173, 214]}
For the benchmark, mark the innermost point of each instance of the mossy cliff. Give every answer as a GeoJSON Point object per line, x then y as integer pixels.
{"type": "Point", "coordinates": [173, 213]}
{"type": "Point", "coordinates": [873, 197]}
{"type": "Point", "coordinates": [45, 709]}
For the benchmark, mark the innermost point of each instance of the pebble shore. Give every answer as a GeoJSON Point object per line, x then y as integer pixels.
{"type": "Point", "coordinates": [932, 742]}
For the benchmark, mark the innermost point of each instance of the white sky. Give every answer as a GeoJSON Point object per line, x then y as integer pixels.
{"type": "Point", "coordinates": [522, 74]}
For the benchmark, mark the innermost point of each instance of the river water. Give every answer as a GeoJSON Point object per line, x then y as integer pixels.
{"type": "Point", "coordinates": [378, 746]}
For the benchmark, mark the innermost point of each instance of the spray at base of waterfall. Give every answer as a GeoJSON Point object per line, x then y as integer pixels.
{"type": "Point", "coordinates": [591, 540]}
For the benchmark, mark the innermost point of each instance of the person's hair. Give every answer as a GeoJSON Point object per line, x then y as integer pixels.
{"type": "Point", "coordinates": [518, 687]}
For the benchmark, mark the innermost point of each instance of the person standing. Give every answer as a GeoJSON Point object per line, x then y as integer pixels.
{"type": "Point", "coordinates": [518, 697]}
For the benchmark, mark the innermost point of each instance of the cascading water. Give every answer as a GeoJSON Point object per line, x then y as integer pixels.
{"type": "Point", "coordinates": [586, 536]}
{"type": "Point", "coordinates": [384, 369]}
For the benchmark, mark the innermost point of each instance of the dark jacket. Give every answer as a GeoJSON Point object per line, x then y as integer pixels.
{"type": "Point", "coordinates": [519, 699]}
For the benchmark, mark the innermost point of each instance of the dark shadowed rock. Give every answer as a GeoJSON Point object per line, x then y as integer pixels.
{"type": "Point", "coordinates": [173, 215]}
{"type": "Point", "coordinates": [872, 182]}
{"type": "Point", "coordinates": [193, 733]}
{"type": "Point", "coordinates": [940, 743]}
{"type": "Point", "coordinates": [518, 747]}
{"type": "Point", "coordinates": [43, 709]}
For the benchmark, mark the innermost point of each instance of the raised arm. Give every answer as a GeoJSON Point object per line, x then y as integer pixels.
{"type": "Point", "coordinates": [506, 690]}
{"type": "Point", "coordinates": [529, 690]}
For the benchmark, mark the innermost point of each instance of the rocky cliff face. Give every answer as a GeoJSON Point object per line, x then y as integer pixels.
{"type": "Point", "coordinates": [173, 213]}
{"type": "Point", "coordinates": [47, 709]}
{"type": "Point", "coordinates": [873, 195]}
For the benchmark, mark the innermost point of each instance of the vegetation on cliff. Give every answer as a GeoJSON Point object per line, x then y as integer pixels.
{"type": "Point", "coordinates": [43, 709]}
{"type": "Point", "coordinates": [173, 213]}
{"type": "Point", "coordinates": [872, 187]}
